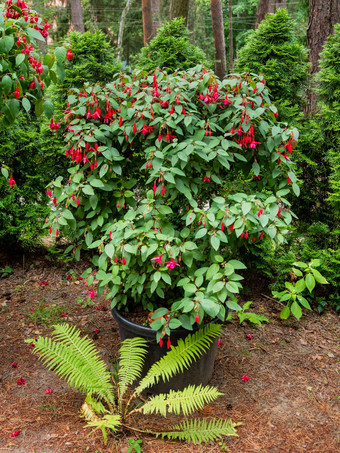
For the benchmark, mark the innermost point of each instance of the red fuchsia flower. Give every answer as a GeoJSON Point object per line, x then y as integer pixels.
{"type": "Point", "coordinates": [154, 187]}
{"type": "Point", "coordinates": [15, 365]}
{"type": "Point", "coordinates": [48, 391]}
{"type": "Point", "coordinates": [96, 331]}
{"type": "Point", "coordinates": [163, 190]}
{"type": "Point", "coordinates": [64, 315]}
{"type": "Point", "coordinates": [69, 54]}
{"type": "Point", "coordinates": [11, 182]}
{"type": "Point", "coordinates": [31, 309]}
{"type": "Point", "coordinates": [115, 260]}
{"type": "Point", "coordinates": [249, 336]}
{"type": "Point", "coordinates": [206, 178]}
{"type": "Point", "coordinates": [259, 212]}
{"type": "Point", "coordinates": [43, 283]}
{"type": "Point", "coordinates": [123, 261]}
{"type": "Point", "coordinates": [15, 433]}
{"type": "Point", "coordinates": [219, 342]}
{"type": "Point", "coordinates": [32, 345]}
{"type": "Point", "coordinates": [92, 293]}
{"type": "Point", "coordinates": [21, 381]}
{"type": "Point", "coordinates": [261, 235]}
{"type": "Point", "coordinates": [158, 259]}
{"type": "Point", "coordinates": [17, 93]}
{"type": "Point", "coordinates": [245, 378]}
{"type": "Point", "coordinates": [289, 147]}
{"type": "Point", "coordinates": [197, 319]}
{"type": "Point", "coordinates": [161, 342]}
{"type": "Point", "coordinates": [279, 212]}
{"type": "Point", "coordinates": [48, 193]}
{"type": "Point", "coordinates": [288, 179]}
{"type": "Point", "coordinates": [222, 226]}
{"type": "Point", "coordinates": [231, 228]}
{"type": "Point", "coordinates": [168, 344]}
{"type": "Point", "coordinates": [171, 264]}
{"type": "Point", "coordinates": [100, 307]}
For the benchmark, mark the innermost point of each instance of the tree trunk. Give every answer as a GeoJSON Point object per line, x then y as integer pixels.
{"type": "Point", "coordinates": [231, 41]}
{"type": "Point", "coordinates": [179, 8]}
{"type": "Point", "coordinates": [147, 21]}
{"type": "Point", "coordinates": [218, 33]}
{"type": "Point", "coordinates": [156, 16]}
{"type": "Point", "coordinates": [281, 4]}
{"type": "Point", "coordinates": [322, 17]}
{"type": "Point", "coordinates": [262, 10]}
{"type": "Point", "coordinates": [77, 16]}
{"type": "Point", "coordinates": [121, 29]}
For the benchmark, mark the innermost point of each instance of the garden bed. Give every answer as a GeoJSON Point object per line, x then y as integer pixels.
{"type": "Point", "coordinates": [289, 405]}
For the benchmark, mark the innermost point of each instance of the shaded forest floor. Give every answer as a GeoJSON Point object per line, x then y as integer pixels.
{"type": "Point", "coordinates": [290, 404]}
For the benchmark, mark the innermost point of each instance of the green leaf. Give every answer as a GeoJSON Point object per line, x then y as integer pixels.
{"type": "Point", "coordinates": [200, 233]}
{"type": "Point", "coordinates": [60, 54]}
{"type": "Point", "coordinates": [14, 106]}
{"type": "Point", "coordinates": [39, 107]}
{"type": "Point", "coordinates": [215, 242]}
{"type": "Point", "coordinates": [296, 310]}
{"type": "Point", "coordinates": [48, 109]}
{"type": "Point", "coordinates": [310, 282]}
{"type": "Point", "coordinates": [6, 44]}
{"type": "Point", "coordinates": [213, 269]}
{"type": "Point", "coordinates": [233, 305]}
{"type": "Point", "coordinates": [35, 34]}
{"type": "Point", "coordinates": [210, 307]}
{"type": "Point", "coordinates": [26, 104]}
{"type": "Point", "coordinates": [6, 83]}
{"type": "Point", "coordinates": [246, 207]}
{"type": "Point", "coordinates": [285, 312]}
{"type": "Point", "coordinates": [88, 190]}
{"type": "Point", "coordinates": [60, 71]}
{"type": "Point", "coordinates": [318, 277]}
{"type": "Point", "coordinates": [19, 59]}
{"type": "Point", "coordinates": [109, 250]}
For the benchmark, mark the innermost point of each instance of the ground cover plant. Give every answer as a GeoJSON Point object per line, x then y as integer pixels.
{"type": "Point", "coordinates": [170, 174]}
{"type": "Point", "coordinates": [108, 406]}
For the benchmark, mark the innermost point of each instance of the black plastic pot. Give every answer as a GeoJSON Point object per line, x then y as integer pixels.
{"type": "Point", "coordinates": [200, 371]}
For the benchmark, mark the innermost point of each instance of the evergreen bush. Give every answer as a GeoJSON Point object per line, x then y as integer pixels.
{"type": "Point", "coordinates": [274, 51]}
{"type": "Point", "coordinates": [170, 49]}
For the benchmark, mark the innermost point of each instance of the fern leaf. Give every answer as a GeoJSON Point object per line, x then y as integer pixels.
{"type": "Point", "coordinates": [198, 431]}
{"type": "Point", "coordinates": [110, 421]}
{"type": "Point", "coordinates": [181, 356]}
{"type": "Point", "coordinates": [76, 360]}
{"type": "Point", "coordinates": [92, 407]}
{"type": "Point", "coordinates": [185, 401]}
{"type": "Point", "coordinates": [132, 354]}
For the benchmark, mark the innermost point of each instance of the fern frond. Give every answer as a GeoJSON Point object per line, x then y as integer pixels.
{"type": "Point", "coordinates": [76, 360]}
{"type": "Point", "coordinates": [198, 431]}
{"type": "Point", "coordinates": [132, 354]}
{"type": "Point", "coordinates": [92, 407]}
{"type": "Point", "coordinates": [110, 421]}
{"type": "Point", "coordinates": [184, 401]}
{"type": "Point", "coordinates": [181, 356]}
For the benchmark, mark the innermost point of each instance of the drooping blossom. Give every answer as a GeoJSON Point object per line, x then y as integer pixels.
{"type": "Point", "coordinates": [158, 259]}
{"type": "Point", "coordinates": [245, 378]}
{"type": "Point", "coordinates": [15, 433]}
{"type": "Point", "coordinates": [48, 390]}
{"type": "Point", "coordinates": [219, 342]}
{"type": "Point", "coordinates": [14, 365]}
{"type": "Point", "coordinates": [168, 344]}
{"type": "Point", "coordinates": [249, 336]}
{"type": "Point", "coordinates": [171, 264]}
{"type": "Point", "coordinates": [92, 293]}
{"type": "Point", "coordinates": [11, 182]}
{"type": "Point", "coordinates": [21, 381]}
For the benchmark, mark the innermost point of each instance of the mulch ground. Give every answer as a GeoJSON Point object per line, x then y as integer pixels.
{"type": "Point", "coordinates": [290, 404]}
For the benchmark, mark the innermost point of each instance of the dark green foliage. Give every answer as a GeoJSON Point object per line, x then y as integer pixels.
{"type": "Point", "coordinates": [24, 207]}
{"type": "Point", "coordinates": [93, 60]}
{"type": "Point", "coordinates": [170, 49]}
{"type": "Point", "coordinates": [274, 51]}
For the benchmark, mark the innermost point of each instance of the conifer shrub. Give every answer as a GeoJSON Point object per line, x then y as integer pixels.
{"type": "Point", "coordinates": [170, 49]}
{"type": "Point", "coordinates": [274, 51]}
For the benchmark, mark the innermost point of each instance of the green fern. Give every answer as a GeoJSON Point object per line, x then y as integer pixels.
{"type": "Point", "coordinates": [198, 431]}
{"type": "Point", "coordinates": [132, 354]}
{"type": "Point", "coordinates": [185, 401]}
{"type": "Point", "coordinates": [109, 421]}
{"type": "Point", "coordinates": [181, 356]}
{"type": "Point", "coordinates": [76, 360]}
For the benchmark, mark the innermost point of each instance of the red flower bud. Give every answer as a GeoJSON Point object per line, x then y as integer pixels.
{"type": "Point", "coordinates": [115, 260]}
{"type": "Point", "coordinates": [134, 128]}
{"type": "Point", "coordinates": [246, 235]}
{"type": "Point", "coordinates": [163, 190]}
{"type": "Point", "coordinates": [222, 226]}
{"type": "Point", "coordinates": [154, 187]}
{"type": "Point", "coordinates": [57, 232]}
{"type": "Point", "coordinates": [231, 228]}
{"type": "Point", "coordinates": [197, 318]}
{"type": "Point", "coordinates": [288, 179]}
{"type": "Point", "coordinates": [168, 344]}
{"type": "Point", "coordinates": [261, 235]}
{"type": "Point", "coordinates": [50, 230]}
{"type": "Point", "coordinates": [123, 261]}
{"type": "Point", "coordinates": [78, 202]}
{"type": "Point", "coordinates": [160, 342]}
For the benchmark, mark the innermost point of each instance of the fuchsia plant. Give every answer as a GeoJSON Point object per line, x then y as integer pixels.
{"type": "Point", "coordinates": [169, 175]}
{"type": "Point", "coordinates": [24, 73]}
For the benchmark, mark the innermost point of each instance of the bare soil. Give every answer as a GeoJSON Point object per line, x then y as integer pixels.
{"type": "Point", "coordinates": [290, 404]}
